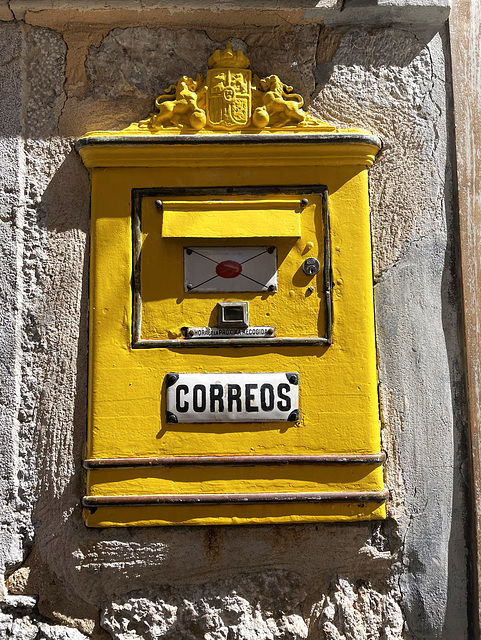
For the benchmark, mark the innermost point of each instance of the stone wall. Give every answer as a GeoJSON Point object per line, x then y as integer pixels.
{"type": "Point", "coordinates": [64, 72]}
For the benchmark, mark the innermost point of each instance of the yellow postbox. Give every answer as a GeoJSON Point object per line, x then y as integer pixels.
{"type": "Point", "coordinates": [232, 350]}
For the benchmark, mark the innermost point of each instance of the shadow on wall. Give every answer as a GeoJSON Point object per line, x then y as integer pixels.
{"type": "Point", "coordinates": [420, 354]}
{"type": "Point", "coordinates": [460, 539]}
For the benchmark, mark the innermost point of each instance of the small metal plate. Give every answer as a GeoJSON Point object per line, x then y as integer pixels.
{"type": "Point", "coordinates": [232, 397]}
{"type": "Point", "coordinates": [230, 269]}
{"type": "Point", "coordinates": [216, 332]}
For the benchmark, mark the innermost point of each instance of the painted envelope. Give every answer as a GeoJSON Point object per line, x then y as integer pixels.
{"type": "Point", "coordinates": [229, 269]}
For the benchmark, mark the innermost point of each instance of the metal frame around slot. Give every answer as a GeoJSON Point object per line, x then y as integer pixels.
{"type": "Point", "coordinates": [301, 190]}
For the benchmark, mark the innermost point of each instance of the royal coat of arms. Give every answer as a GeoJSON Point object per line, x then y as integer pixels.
{"type": "Point", "coordinates": [230, 98]}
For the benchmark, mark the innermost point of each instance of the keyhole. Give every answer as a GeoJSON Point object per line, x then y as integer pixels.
{"type": "Point", "coordinates": [311, 266]}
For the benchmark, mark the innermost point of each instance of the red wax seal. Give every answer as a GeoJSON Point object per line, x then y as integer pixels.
{"type": "Point", "coordinates": [228, 269]}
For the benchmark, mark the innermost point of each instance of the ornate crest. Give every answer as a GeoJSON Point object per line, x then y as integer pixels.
{"type": "Point", "coordinates": [229, 98]}
{"type": "Point", "coordinates": [228, 90]}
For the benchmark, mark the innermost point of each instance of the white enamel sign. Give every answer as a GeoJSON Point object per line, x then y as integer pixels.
{"type": "Point", "coordinates": [211, 269]}
{"type": "Point", "coordinates": [232, 397]}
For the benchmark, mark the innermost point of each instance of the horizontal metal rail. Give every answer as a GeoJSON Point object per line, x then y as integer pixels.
{"type": "Point", "coordinates": [93, 502]}
{"type": "Point", "coordinates": [233, 461]}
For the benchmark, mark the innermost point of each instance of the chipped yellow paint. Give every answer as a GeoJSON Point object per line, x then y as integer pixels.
{"type": "Point", "coordinates": [338, 384]}
{"type": "Point", "coordinates": [230, 514]}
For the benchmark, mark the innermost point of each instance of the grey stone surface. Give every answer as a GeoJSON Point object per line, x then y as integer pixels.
{"type": "Point", "coordinates": [23, 170]}
{"type": "Point", "coordinates": [351, 611]}
{"type": "Point", "coordinates": [150, 61]}
{"type": "Point", "coordinates": [293, 56]}
{"type": "Point", "coordinates": [395, 85]}
{"type": "Point", "coordinates": [376, 12]}
{"type": "Point", "coordinates": [19, 620]}
{"type": "Point", "coordinates": [416, 334]}
{"type": "Point", "coordinates": [392, 83]}
{"type": "Point", "coordinates": [267, 607]}
{"type": "Point", "coordinates": [44, 65]}
{"type": "Point", "coordinates": [15, 501]}
{"type": "Point", "coordinates": [185, 52]}
{"type": "Point", "coordinates": [274, 605]}
{"type": "Point", "coordinates": [29, 104]}
{"type": "Point", "coordinates": [334, 582]}
{"type": "Point", "coordinates": [415, 15]}
{"type": "Point", "coordinates": [153, 59]}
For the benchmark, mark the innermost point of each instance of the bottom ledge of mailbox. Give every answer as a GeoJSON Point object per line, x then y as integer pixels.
{"type": "Point", "coordinates": [93, 502]}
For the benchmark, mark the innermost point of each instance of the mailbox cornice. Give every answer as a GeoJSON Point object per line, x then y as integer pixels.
{"type": "Point", "coordinates": [113, 149]}
{"type": "Point", "coordinates": [231, 116]}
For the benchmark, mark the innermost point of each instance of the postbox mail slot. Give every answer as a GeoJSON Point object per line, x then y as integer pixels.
{"type": "Point", "coordinates": [246, 218]}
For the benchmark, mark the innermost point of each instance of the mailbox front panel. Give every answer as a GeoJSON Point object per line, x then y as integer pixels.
{"type": "Point", "coordinates": [225, 390]}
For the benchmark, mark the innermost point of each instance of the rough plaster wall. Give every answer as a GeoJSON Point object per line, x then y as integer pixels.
{"type": "Point", "coordinates": [400, 93]}
{"type": "Point", "coordinates": [14, 507]}
{"type": "Point", "coordinates": [405, 577]}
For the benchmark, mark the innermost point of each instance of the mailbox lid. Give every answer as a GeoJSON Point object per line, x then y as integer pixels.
{"type": "Point", "coordinates": [229, 217]}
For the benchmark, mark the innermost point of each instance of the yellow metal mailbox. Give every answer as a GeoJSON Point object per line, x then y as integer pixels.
{"type": "Point", "coordinates": [232, 352]}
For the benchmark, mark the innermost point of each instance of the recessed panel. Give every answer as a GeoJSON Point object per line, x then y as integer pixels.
{"type": "Point", "coordinates": [179, 284]}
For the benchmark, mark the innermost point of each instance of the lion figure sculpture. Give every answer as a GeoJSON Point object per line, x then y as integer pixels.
{"type": "Point", "coordinates": [278, 106]}
{"type": "Point", "coordinates": [178, 106]}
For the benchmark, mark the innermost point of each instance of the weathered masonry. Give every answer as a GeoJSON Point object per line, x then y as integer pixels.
{"type": "Point", "coordinates": [239, 338]}
{"type": "Point", "coordinates": [231, 209]}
